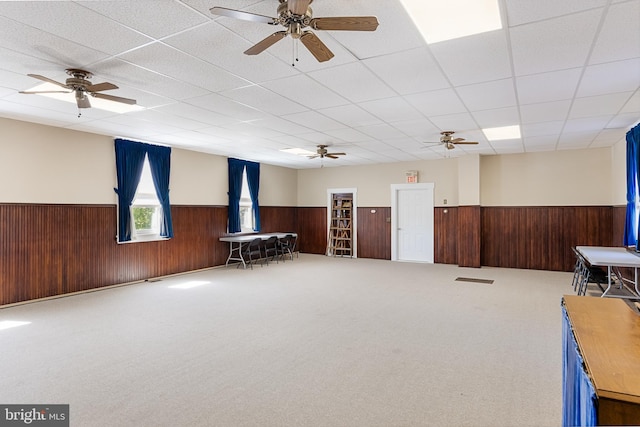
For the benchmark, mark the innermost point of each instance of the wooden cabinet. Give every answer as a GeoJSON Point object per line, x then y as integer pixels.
{"type": "Point", "coordinates": [607, 333]}
{"type": "Point", "coordinates": [340, 241]}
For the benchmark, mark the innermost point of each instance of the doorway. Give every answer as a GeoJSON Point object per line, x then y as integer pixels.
{"type": "Point", "coordinates": [412, 222]}
{"type": "Point", "coordinates": [353, 194]}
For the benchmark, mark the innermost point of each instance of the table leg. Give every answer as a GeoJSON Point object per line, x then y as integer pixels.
{"type": "Point", "coordinates": [608, 282]}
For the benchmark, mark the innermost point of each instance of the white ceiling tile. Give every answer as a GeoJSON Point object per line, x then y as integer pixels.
{"type": "Point", "coordinates": [217, 45]}
{"type": "Point", "coordinates": [407, 72]}
{"type": "Point", "coordinates": [171, 62]}
{"type": "Point", "coordinates": [314, 120]}
{"type": "Point", "coordinates": [620, 76]}
{"type": "Point", "coordinates": [352, 115]}
{"type": "Point", "coordinates": [609, 137]}
{"type": "Point", "coordinates": [540, 143]}
{"type": "Point", "coordinates": [474, 59]}
{"type": "Point", "coordinates": [576, 140]}
{"type": "Point", "coordinates": [34, 43]}
{"type": "Point", "coordinates": [624, 121]}
{"type": "Point", "coordinates": [498, 117]}
{"type": "Point", "coordinates": [226, 107]}
{"type": "Point", "coordinates": [353, 81]}
{"type": "Point", "coordinates": [508, 146]}
{"type": "Point", "coordinates": [455, 122]}
{"type": "Point", "coordinates": [545, 87]}
{"type": "Point", "coordinates": [197, 113]}
{"type": "Point", "coordinates": [545, 111]}
{"type": "Point", "coordinates": [348, 135]}
{"type": "Point", "coordinates": [633, 105]}
{"type": "Point", "coordinates": [280, 125]}
{"type": "Point", "coordinates": [391, 109]}
{"type": "Point", "coordinates": [382, 131]}
{"type": "Point", "coordinates": [619, 37]}
{"type": "Point", "coordinates": [489, 95]}
{"type": "Point", "coordinates": [437, 102]}
{"type": "Point", "coordinates": [71, 21]}
{"type": "Point", "coordinates": [154, 18]}
{"type": "Point", "coordinates": [586, 124]}
{"type": "Point", "coordinates": [555, 44]}
{"type": "Point", "coordinates": [264, 100]}
{"type": "Point", "coordinates": [598, 105]}
{"type": "Point", "coordinates": [306, 91]}
{"type": "Point", "coordinates": [396, 30]}
{"type": "Point", "coordinates": [415, 128]}
{"type": "Point", "coordinates": [525, 11]}
{"type": "Point", "coordinates": [542, 129]}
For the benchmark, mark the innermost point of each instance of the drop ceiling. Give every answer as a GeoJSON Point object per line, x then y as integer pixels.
{"type": "Point", "coordinates": [567, 72]}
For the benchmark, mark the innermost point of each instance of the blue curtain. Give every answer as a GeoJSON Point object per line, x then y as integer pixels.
{"type": "Point", "coordinates": [160, 165]}
{"type": "Point", "coordinates": [579, 400]}
{"type": "Point", "coordinates": [633, 152]}
{"type": "Point", "coordinates": [236, 167]}
{"type": "Point", "coordinates": [253, 179]}
{"type": "Point", "coordinates": [129, 162]}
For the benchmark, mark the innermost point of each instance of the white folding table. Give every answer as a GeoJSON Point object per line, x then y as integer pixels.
{"type": "Point", "coordinates": [614, 258]}
{"type": "Point", "coordinates": [237, 241]}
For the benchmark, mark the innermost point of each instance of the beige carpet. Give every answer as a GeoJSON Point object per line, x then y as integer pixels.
{"type": "Point", "coordinates": [313, 342]}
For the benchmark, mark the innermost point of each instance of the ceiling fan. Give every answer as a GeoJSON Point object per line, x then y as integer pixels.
{"type": "Point", "coordinates": [295, 16]}
{"type": "Point", "coordinates": [449, 142]}
{"type": "Point", "coordinates": [79, 84]}
{"type": "Point", "coordinates": [322, 152]}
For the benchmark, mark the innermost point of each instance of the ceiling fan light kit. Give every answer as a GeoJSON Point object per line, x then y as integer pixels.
{"type": "Point", "coordinates": [296, 16]}
{"type": "Point", "coordinates": [449, 142]}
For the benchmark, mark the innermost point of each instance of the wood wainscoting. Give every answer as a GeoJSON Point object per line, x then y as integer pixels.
{"type": "Point", "coordinates": [50, 250]}
{"type": "Point", "coordinates": [374, 232]}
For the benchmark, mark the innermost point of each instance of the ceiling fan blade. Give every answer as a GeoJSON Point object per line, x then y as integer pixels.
{"type": "Point", "coordinates": [47, 79]}
{"type": "Point", "coordinates": [464, 142]}
{"type": "Point", "coordinates": [265, 43]}
{"type": "Point", "coordinates": [114, 98]}
{"type": "Point", "coordinates": [331, 156]}
{"type": "Point", "coordinates": [346, 23]}
{"type": "Point", "coordinates": [298, 7]}
{"type": "Point", "coordinates": [45, 91]}
{"type": "Point", "coordinates": [245, 16]}
{"type": "Point", "coordinates": [314, 156]}
{"type": "Point", "coordinates": [101, 86]}
{"type": "Point", "coordinates": [316, 47]}
{"type": "Point", "coordinates": [336, 154]}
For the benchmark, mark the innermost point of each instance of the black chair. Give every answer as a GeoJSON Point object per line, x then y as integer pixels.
{"type": "Point", "coordinates": [252, 252]}
{"type": "Point", "coordinates": [285, 246]}
{"type": "Point", "coordinates": [271, 249]}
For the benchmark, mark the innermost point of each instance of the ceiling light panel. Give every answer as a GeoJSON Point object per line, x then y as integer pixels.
{"type": "Point", "coordinates": [452, 19]}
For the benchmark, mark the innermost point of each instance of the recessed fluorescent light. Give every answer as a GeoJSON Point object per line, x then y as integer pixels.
{"type": "Point", "coordinates": [6, 324]}
{"type": "Point", "coordinates": [189, 285]}
{"type": "Point", "coordinates": [505, 132]}
{"type": "Point", "coordinates": [102, 104]}
{"type": "Point", "coordinates": [298, 151]}
{"type": "Point", "coordinates": [439, 20]}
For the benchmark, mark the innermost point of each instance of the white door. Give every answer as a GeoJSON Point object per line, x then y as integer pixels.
{"type": "Point", "coordinates": [413, 225]}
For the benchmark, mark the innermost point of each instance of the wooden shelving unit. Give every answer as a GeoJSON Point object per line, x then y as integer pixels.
{"type": "Point", "coordinates": [340, 229]}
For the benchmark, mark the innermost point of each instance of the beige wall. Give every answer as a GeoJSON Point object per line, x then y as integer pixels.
{"type": "Point", "coordinates": [374, 181]}
{"type": "Point", "coordinates": [619, 173]}
{"type": "Point", "coordinates": [44, 164]}
{"type": "Point", "coordinates": [568, 177]}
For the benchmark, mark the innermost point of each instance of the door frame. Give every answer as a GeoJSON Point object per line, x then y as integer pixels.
{"type": "Point", "coordinates": [354, 215]}
{"type": "Point", "coordinates": [395, 188]}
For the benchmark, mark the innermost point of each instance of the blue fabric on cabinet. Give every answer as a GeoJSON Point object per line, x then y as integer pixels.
{"type": "Point", "coordinates": [236, 167]}
{"type": "Point", "coordinates": [129, 162]}
{"type": "Point", "coordinates": [253, 180]}
{"type": "Point", "coordinates": [160, 165]}
{"type": "Point", "coordinates": [630, 237]}
{"type": "Point", "coordinates": [579, 400]}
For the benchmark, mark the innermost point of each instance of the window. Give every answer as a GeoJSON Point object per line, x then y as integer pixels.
{"type": "Point", "coordinates": [145, 209]}
{"type": "Point", "coordinates": [247, 221]}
